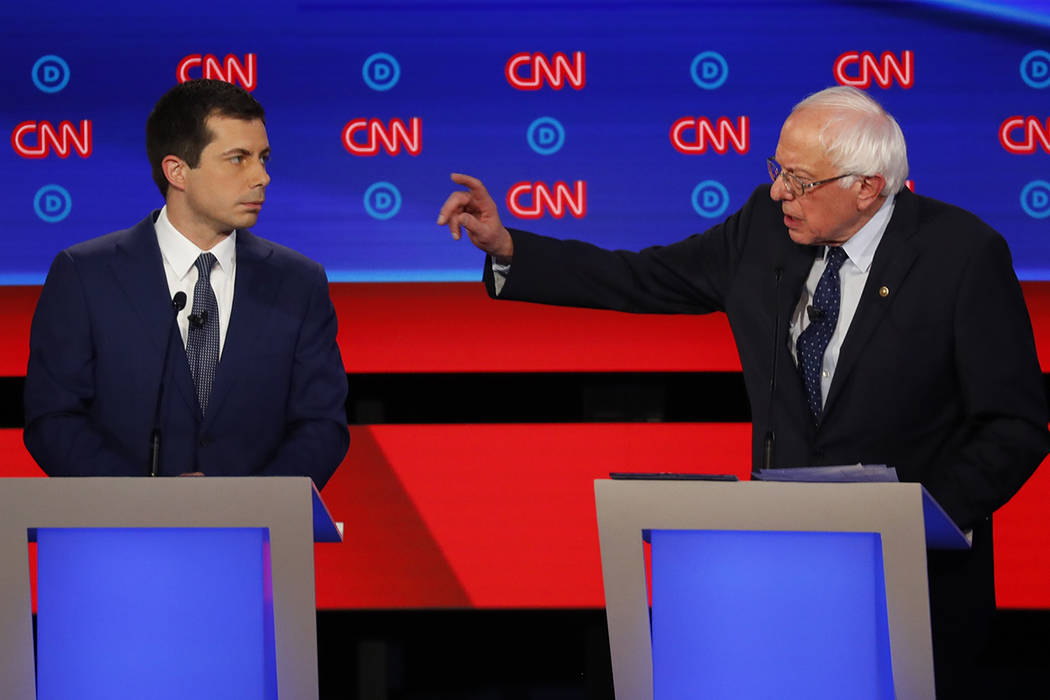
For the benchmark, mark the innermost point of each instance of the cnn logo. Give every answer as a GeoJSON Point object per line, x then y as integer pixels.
{"type": "Point", "coordinates": [231, 70]}
{"type": "Point", "coordinates": [63, 140]}
{"type": "Point", "coordinates": [533, 200]}
{"type": "Point", "coordinates": [1032, 133]}
{"type": "Point", "coordinates": [858, 69]}
{"type": "Point", "coordinates": [693, 135]}
{"type": "Point", "coordinates": [529, 71]}
{"type": "Point", "coordinates": [365, 137]}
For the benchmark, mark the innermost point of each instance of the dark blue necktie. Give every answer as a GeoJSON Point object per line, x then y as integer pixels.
{"type": "Point", "coordinates": [814, 340]}
{"type": "Point", "coordinates": [202, 340]}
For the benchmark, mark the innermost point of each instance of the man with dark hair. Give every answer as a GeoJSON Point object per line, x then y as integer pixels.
{"type": "Point", "coordinates": [177, 124]}
{"type": "Point", "coordinates": [186, 345]}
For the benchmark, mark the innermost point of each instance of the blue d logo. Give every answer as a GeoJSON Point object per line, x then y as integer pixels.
{"type": "Point", "coordinates": [709, 70]}
{"type": "Point", "coordinates": [1035, 199]}
{"type": "Point", "coordinates": [52, 203]}
{"type": "Point", "coordinates": [710, 199]}
{"type": "Point", "coordinates": [50, 73]}
{"type": "Point", "coordinates": [381, 71]}
{"type": "Point", "coordinates": [1035, 69]}
{"type": "Point", "coordinates": [545, 135]}
{"type": "Point", "coordinates": [382, 200]}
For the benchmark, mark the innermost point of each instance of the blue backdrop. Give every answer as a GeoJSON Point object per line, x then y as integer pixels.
{"type": "Point", "coordinates": [953, 73]}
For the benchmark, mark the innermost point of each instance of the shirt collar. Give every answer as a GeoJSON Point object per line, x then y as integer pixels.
{"type": "Point", "coordinates": [861, 246]}
{"type": "Point", "coordinates": [180, 253]}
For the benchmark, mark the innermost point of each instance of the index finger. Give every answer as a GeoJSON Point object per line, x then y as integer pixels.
{"type": "Point", "coordinates": [471, 183]}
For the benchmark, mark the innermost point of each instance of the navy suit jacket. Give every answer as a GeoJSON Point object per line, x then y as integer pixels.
{"type": "Point", "coordinates": [102, 328]}
{"type": "Point", "coordinates": [937, 376]}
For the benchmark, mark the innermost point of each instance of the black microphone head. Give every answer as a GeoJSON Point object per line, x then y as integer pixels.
{"type": "Point", "coordinates": [198, 320]}
{"type": "Point", "coordinates": [178, 302]}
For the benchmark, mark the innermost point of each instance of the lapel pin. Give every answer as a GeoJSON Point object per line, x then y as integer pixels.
{"type": "Point", "coordinates": [884, 291]}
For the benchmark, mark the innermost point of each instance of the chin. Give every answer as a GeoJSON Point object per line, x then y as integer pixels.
{"type": "Point", "coordinates": [246, 221]}
{"type": "Point", "coordinates": [802, 237]}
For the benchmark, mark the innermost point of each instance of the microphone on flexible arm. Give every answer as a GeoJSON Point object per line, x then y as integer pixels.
{"type": "Point", "coordinates": [178, 303]}
{"type": "Point", "coordinates": [771, 438]}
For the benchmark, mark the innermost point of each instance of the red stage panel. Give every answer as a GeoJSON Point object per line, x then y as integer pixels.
{"type": "Point", "coordinates": [492, 515]}
{"type": "Point", "coordinates": [503, 515]}
{"type": "Point", "coordinates": [1022, 545]}
{"type": "Point", "coordinates": [455, 327]}
{"type": "Point", "coordinates": [14, 458]}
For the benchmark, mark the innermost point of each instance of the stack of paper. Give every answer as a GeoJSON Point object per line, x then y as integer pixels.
{"type": "Point", "coordinates": [843, 473]}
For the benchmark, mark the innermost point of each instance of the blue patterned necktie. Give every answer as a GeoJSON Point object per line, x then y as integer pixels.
{"type": "Point", "coordinates": [202, 341]}
{"type": "Point", "coordinates": [814, 340]}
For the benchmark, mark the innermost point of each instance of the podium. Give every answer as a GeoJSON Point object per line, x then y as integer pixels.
{"type": "Point", "coordinates": [766, 589]}
{"type": "Point", "coordinates": [158, 588]}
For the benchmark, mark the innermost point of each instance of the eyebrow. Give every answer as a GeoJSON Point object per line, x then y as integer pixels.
{"type": "Point", "coordinates": [243, 151]}
{"type": "Point", "coordinates": [798, 171]}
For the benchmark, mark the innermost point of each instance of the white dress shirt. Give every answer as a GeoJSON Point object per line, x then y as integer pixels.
{"type": "Point", "coordinates": [860, 251]}
{"type": "Point", "coordinates": [180, 254]}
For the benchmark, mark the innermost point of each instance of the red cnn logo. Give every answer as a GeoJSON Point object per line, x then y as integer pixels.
{"type": "Point", "coordinates": [555, 201]}
{"type": "Point", "coordinates": [48, 139]}
{"type": "Point", "coordinates": [391, 138]}
{"type": "Point", "coordinates": [691, 135]}
{"type": "Point", "coordinates": [230, 70]}
{"type": "Point", "coordinates": [1033, 130]}
{"type": "Point", "coordinates": [870, 67]}
{"type": "Point", "coordinates": [556, 72]}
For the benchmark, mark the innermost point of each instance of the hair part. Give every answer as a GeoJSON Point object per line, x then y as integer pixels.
{"type": "Point", "coordinates": [860, 137]}
{"type": "Point", "coordinates": [176, 126]}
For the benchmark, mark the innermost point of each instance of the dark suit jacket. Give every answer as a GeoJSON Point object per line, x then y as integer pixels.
{"type": "Point", "coordinates": [97, 350]}
{"type": "Point", "coordinates": [937, 376]}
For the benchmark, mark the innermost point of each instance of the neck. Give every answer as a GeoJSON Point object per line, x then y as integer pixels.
{"type": "Point", "coordinates": [863, 217]}
{"type": "Point", "coordinates": [200, 233]}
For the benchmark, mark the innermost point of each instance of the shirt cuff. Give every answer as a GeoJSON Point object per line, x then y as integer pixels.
{"type": "Point", "coordinates": [499, 276]}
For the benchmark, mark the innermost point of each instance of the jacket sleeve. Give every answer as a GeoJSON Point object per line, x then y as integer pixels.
{"type": "Point", "coordinates": [316, 435]}
{"type": "Point", "coordinates": [1002, 389]}
{"type": "Point", "coordinates": [60, 385]}
{"type": "Point", "coordinates": [691, 276]}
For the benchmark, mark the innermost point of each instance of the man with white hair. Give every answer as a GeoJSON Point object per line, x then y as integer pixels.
{"type": "Point", "coordinates": [896, 322]}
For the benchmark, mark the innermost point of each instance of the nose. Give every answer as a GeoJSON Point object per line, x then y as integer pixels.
{"type": "Point", "coordinates": [778, 192]}
{"type": "Point", "coordinates": [260, 176]}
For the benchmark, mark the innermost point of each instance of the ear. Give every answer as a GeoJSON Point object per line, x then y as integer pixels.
{"type": "Point", "coordinates": [175, 171]}
{"type": "Point", "coordinates": [871, 188]}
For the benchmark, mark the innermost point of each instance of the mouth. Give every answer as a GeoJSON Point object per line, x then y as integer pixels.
{"type": "Point", "coordinates": [253, 205]}
{"type": "Point", "coordinates": [791, 222]}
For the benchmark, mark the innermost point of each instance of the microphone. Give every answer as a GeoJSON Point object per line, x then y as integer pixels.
{"type": "Point", "coordinates": [178, 303]}
{"type": "Point", "coordinates": [768, 460]}
{"type": "Point", "coordinates": [815, 313]}
{"type": "Point", "coordinates": [197, 321]}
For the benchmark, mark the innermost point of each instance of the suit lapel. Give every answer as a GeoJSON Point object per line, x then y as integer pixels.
{"type": "Point", "coordinates": [255, 288]}
{"type": "Point", "coordinates": [139, 272]}
{"type": "Point", "coordinates": [893, 260]}
{"type": "Point", "coordinates": [798, 262]}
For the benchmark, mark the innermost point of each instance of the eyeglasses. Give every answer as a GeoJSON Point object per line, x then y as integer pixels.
{"type": "Point", "coordinates": [794, 185]}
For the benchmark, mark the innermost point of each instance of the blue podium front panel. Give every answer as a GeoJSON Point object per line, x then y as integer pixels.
{"type": "Point", "coordinates": [154, 614]}
{"type": "Point", "coordinates": [769, 615]}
